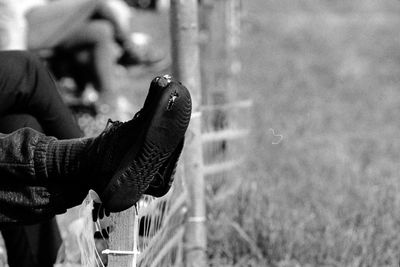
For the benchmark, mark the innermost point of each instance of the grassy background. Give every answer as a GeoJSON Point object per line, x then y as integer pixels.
{"type": "Point", "coordinates": [325, 75]}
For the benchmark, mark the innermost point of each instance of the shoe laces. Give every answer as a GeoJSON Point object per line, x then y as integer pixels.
{"type": "Point", "coordinates": [137, 115]}
{"type": "Point", "coordinates": [112, 126]}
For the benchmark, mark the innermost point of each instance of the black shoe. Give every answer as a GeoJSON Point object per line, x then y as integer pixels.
{"type": "Point", "coordinates": [129, 156]}
{"type": "Point", "coordinates": [163, 179]}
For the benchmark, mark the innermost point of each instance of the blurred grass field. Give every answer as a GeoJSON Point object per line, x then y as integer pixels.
{"type": "Point", "coordinates": [326, 76]}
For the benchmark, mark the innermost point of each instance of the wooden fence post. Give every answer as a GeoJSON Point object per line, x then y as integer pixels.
{"type": "Point", "coordinates": [186, 68]}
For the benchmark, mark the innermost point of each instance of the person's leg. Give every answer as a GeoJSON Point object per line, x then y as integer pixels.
{"type": "Point", "coordinates": [19, 251]}
{"type": "Point", "coordinates": [35, 245]}
{"type": "Point", "coordinates": [27, 87]}
{"type": "Point", "coordinates": [12, 122]}
{"type": "Point", "coordinates": [133, 54]}
{"type": "Point", "coordinates": [98, 36]}
{"type": "Point", "coordinates": [105, 11]}
{"type": "Point", "coordinates": [45, 239]}
{"type": "Point", "coordinates": [32, 245]}
{"type": "Point", "coordinates": [41, 176]}
{"type": "Point", "coordinates": [28, 192]}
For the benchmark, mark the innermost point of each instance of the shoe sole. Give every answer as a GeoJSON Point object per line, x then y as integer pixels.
{"type": "Point", "coordinates": [167, 124]}
{"type": "Point", "coordinates": [162, 182]}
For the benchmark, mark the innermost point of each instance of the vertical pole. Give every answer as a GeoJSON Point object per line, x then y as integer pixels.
{"type": "Point", "coordinates": [185, 46]}
{"type": "Point", "coordinates": [123, 238]}
{"type": "Point", "coordinates": [186, 68]}
{"type": "Point", "coordinates": [207, 48]}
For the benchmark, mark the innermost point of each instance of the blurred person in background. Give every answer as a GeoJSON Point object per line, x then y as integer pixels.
{"type": "Point", "coordinates": [92, 35]}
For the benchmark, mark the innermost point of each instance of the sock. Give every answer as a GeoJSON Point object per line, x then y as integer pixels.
{"type": "Point", "coordinates": [66, 159]}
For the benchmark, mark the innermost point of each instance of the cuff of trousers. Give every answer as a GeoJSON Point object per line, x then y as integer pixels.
{"type": "Point", "coordinates": [63, 158]}
{"type": "Point", "coordinates": [40, 158]}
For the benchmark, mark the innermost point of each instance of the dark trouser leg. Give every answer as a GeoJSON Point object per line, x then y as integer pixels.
{"type": "Point", "coordinates": [13, 122]}
{"type": "Point", "coordinates": [27, 87]}
{"type": "Point", "coordinates": [16, 241]}
{"type": "Point", "coordinates": [31, 187]}
{"type": "Point", "coordinates": [34, 245]}
{"type": "Point", "coordinates": [46, 240]}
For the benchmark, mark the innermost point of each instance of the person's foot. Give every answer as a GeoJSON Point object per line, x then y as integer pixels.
{"type": "Point", "coordinates": [163, 179]}
{"type": "Point", "coordinates": [128, 157]}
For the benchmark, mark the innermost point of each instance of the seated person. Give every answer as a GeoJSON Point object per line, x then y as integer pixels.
{"type": "Point", "coordinates": [73, 26]}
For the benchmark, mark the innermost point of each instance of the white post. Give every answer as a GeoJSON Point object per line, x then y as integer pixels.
{"type": "Point", "coordinates": [186, 68]}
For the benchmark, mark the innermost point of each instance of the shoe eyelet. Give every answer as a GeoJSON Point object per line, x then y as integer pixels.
{"type": "Point", "coordinates": [168, 77]}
